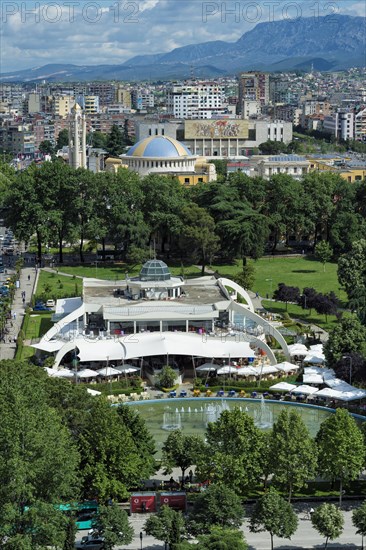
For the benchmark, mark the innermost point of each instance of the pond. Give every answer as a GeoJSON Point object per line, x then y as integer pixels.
{"type": "Point", "coordinates": [191, 415]}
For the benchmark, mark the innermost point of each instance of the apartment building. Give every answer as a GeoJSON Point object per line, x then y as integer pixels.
{"type": "Point", "coordinates": [253, 85]}
{"type": "Point", "coordinates": [340, 125]}
{"type": "Point", "coordinates": [197, 100]}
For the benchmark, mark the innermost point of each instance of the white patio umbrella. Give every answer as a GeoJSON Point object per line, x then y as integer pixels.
{"type": "Point", "coordinates": [108, 371]}
{"type": "Point", "coordinates": [285, 366]}
{"type": "Point", "coordinates": [247, 371]}
{"type": "Point", "coordinates": [63, 373]}
{"type": "Point", "coordinates": [298, 349]}
{"type": "Point", "coordinates": [283, 386]}
{"type": "Point", "coordinates": [307, 390]}
{"type": "Point", "coordinates": [127, 369]}
{"type": "Point", "coordinates": [314, 357]}
{"type": "Point", "coordinates": [227, 369]}
{"type": "Point", "coordinates": [207, 367]}
{"type": "Point", "coordinates": [86, 373]}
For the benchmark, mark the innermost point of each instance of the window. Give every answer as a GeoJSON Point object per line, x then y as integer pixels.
{"type": "Point", "coordinates": [187, 180]}
{"type": "Point", "coordinates": [201, 179]}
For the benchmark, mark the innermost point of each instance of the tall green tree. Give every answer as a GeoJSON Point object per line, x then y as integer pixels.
{"type": "Point", "coordinates": [198, 240]}
{"type": "Point", "coordinates": [273, 514]}
{"type": "Point", "coordinates": [62, 139]}
{"type": "Point", "coordinates": [167, 525]}
{"type": "Point", "coordinates": [112, 524]}
{"type": "Point", "coordinates": [341, 449]}
{"type": "Point", "coordinates": [328, 520]}
{"type": "Point", "coordinates": [233, 450]}
{"type": "Point", "coordinates": [293, 452]}
{"type": "Point", "coordinates": [359, 521]}
{"type": "Point", "coordinates": [348, 336]}
{"type": "Point", "coordinates": [323, 252]}
{"type": "Point", "coordinates": [38, 459]}
{"type": "Point", "coordinates": [181, 451]}
{"type": "Point", "coordinates": [46, 147]}
{"type": "Point", "coordinates": [246, 277]}
{"type": "Point", "coordinates": [218, 505]}
{"type": "Point", "coordinates": [115, 142]}
{"type": "Point", "coordinates": [352, 267]}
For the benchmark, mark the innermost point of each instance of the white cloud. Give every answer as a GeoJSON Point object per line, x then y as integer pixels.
{"type": "Point", "coordinates": [104, 34]}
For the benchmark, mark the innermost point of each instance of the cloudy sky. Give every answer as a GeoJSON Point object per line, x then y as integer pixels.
{"type": "Point", "coordinates": [83, 32]}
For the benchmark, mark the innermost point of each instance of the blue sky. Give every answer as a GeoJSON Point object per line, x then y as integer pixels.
{"type": "Point", "coordinates": [88, 32]}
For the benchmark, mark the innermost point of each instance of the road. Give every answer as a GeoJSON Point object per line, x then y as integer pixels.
{"type": "Point", "coordinates": [305, 537]}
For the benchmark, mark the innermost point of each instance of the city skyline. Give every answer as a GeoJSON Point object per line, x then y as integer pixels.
{"type": "Point", "coordinates": [91, 33]}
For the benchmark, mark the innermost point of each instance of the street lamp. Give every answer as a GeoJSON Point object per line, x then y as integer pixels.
{"type": "Point", "coordinates": [141, 537]}
{"type": "Point", "coordinates": [350, 367]}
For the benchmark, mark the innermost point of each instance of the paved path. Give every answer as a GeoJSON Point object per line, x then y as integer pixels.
{"type": "Point", "coordinates": [27, 283]}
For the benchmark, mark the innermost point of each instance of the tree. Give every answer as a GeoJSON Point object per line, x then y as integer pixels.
{"type": "Point", "coordinates": [359, 520]}
{"type": "Point", "coordinates": [62, 139]}
{"type": "Point", "coordinates": [246, 277]}
{"type": "Point", "coordinates": [348, 336]}
{"type": "Point", "coordinates": [271, 147]}
{"type": "Point", "coordinates": [137, 255]}
{"type": "Point", "coordinates": [181, 451]}
{"type": "Point", "coordinates": [328, 520]}
{"type": "Point", "coordinates": [323, 252]}
{"type": "Point", "coordinates": [112, 524]}
{"type": "Point", "coordinates": [167, 377]}
{"type": "Point", "coordinates": [40, 526]}
{"type": "Point", "coordinates": [351, 368]}
{"type": "Point", "coordinates": [219, 505]}
{"type": "Point", "coordinates": [198, 240]}
{"type": "Point", "coordinates": [293, 452]}
{"type": "Point", "coordinates": [221, 538]}
{"type": "Point", "coordinates": [352, 267]}
{"type": "Point", "coordinates": [46, 147]}
{"type": "Point", "coordinates": [340, 432]}
{"type": "Point", "coordinates": [167, 525]}
{"type": "Point", "coordinates": [71, 531]}
{"type": "Point", "coordinates": [115, 143]}
{"type": "Point", "coordinates": [326, 304]}
{"type": "Point", "coordinates": [273, 514]}
{"type": "Point", "coordinates": [308, 298]}
{"type": "Point", "coordinates": [233, 451]}
{"type": "Point", "coordinates": [286, 293]}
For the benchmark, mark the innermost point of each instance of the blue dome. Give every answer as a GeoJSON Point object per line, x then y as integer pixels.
{"type": "Point", "coordinates": [158, 147]}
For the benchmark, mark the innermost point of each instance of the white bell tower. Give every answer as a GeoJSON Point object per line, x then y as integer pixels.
{"type": "Point", "coordinates": [77, 138]}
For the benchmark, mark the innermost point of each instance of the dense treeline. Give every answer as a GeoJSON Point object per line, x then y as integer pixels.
{"type": "Point", "coordinates": [59, 444]}
{"type": "Point", "coordinates": [233, 219]}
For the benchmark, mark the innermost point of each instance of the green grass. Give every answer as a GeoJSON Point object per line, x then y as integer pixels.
{"type": "Point", "coordinates": [54, 285]}
{"type": "Point", "coordinates": [35, 325]}
{"type": "Point", "coordinates": [301, 271]}
{"type": "Point", "coordinates": [296, 312]}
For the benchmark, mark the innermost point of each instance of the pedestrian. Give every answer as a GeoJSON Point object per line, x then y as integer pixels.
{"type": "Point", "coordinates": [28, 277]}
{"type": "Point", "coordinates": [23, 300]}
{"type": "Point", "coordinates": [190, 476]}
{"type": "Point", "coordinates": [256, 295]}
{"type": "Point", "coordinates": [14, 315]}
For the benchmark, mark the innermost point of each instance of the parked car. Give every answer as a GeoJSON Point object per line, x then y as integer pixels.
{"type": "Point", "coordinates": [50, 303]}
{"type": "Point", "coordinates": [41, 307]}
{"type": "Point", "coordinates": [90, 543]}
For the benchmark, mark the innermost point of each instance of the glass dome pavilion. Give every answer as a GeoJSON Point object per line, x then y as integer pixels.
{"type": "Point", "coordinates": [155, 270]}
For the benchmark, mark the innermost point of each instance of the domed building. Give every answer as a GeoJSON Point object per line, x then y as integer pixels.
{"type": "Point", "coordinates": [167, 156]}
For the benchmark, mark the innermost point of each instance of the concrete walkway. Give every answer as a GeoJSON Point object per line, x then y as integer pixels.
{"type": "Point", "coordinates": [27, 284]}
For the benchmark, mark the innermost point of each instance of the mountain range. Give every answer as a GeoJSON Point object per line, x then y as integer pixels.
{"type": "Point", "coordinates": [327, 43]}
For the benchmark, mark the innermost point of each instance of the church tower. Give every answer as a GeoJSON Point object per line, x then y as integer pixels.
{"type": "Point", "coordinates": [77, 138]}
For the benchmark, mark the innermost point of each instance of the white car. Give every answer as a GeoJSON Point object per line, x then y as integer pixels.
{"type": "Point", "coordinates": [50, 303]}
{"type": "Point", "coordinates": [90, 543]}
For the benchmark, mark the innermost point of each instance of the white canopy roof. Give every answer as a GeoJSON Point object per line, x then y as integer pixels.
{"type": "Point", "coordinates": [332, 393]}
{"type": "Point", "coordinates": [285, 366]}
{"type": "Point", "coordinates": [127, 369]}
{"type": "Point", "coordinates": [182, 343]}
{"type": "Point", "coordinates": [207, 367]}
{"type": "Point", "coordinates": [108, 371]}
{"type": "Point", "coordinates": [49, 345]}
{"type": "Point", "coordinates": [298, 349]}
{"type": "Point", "coordinates": [312, 379]}
{"type": "Point", "coordinates": [86, 373]}
{"type": "Point", "coordinates": [307, 390]}
{"type": "Point", "coordinates": [227, 369]}
{"type": "Point", "coordinates": [283, 386]}
{"type": "Point", "coordinates": [99, 350]}
{"type": "Point", "coordinates": [314, 357]}
{"type": "Point", "coordinates": [266, 369]}
{"type": "Point", "coordinates": [63, 373]}
{"type": "Point", "coordinates": [247, 371]}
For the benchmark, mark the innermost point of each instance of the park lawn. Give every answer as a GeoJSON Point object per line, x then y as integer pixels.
{"type": "Point", "coordinates": [300, 271]}
{"type": "Point", "coordinates": [117, 272]}
{"type": "Point", "coordinates": [59, 285]}
{"type": "Point", "coordinates": [35, 325]}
